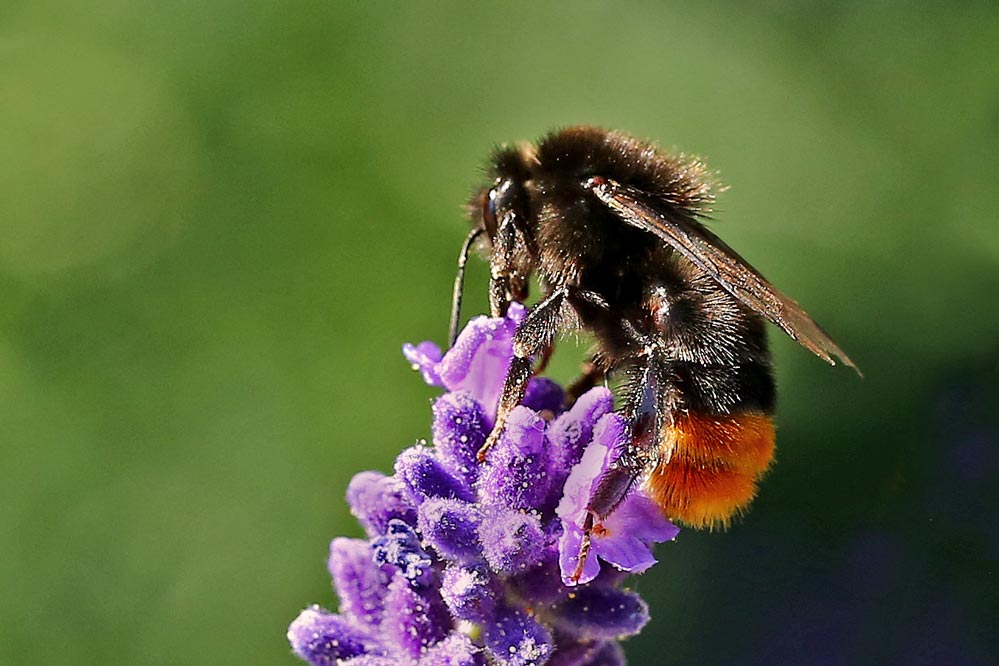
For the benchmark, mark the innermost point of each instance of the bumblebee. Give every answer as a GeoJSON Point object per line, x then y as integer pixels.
{"type": "Point", "coordinates": [613, 230]}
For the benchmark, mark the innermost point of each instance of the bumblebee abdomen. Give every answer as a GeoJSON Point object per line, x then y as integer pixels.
{"type": "Point", "coordinates": [715, 465]}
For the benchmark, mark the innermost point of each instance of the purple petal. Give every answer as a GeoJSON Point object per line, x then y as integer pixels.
{"type": "Point", "coordinates": [360, 584]}
{"type": "Point", "coordinates": [543, 394]}
{"type": "Point", "coordinates": [322, 638]}
{"type": "Point", "coordinates": [426, 477]}
{"type": "Point", "coordinates": [516, 472]}
{"type": "Point", "coordinates": [626, 536]}
{"type": "Point", "coordinates": [573, 430]}
{"type": "Point", "coordinates": [460, 428]}
{"type": "Point", "coordinates": [415, 618]}
{"type": "Point", "coordinates": [455, 650]}
{"type": "Point", "coordinates": [470, 593]}
{"type": "Point", "coordinates": [611, 432]}
{"type": "Point", "coordinates": [639, 516]}
{"type": "Point", "coordinates": [480, 358]}
{"type": "Point", "coordinates": [400, 547]}
{"type": "Point", "coordinates": [602, 613]}
{"type": "Point", "coordinates": [624, 552]}
{"type": "Point", "coordinates": [375, 499]}
{"type": "Point", "coordinates": [516, 639]}
{"type": "Point", "coordinates": [512, 540]}
{"type": "Point", "coordinates": [451, 527]}
{"type": "Point", "coordinates": [425, 357]}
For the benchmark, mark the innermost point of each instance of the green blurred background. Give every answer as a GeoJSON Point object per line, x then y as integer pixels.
{"type": "Point", "coordinates": [220, 220]}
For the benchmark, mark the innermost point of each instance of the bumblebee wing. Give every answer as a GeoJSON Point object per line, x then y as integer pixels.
{"type": "Point", "coordinates": [695, 242]}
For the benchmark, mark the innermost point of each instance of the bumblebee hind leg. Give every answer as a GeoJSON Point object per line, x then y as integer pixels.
{"type": "Point", "coordinates": [647, 399]}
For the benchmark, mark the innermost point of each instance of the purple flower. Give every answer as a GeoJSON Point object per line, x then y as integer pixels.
{"type": "Point", "coordinates": [465, 563]}
{"type": "Point", "coordinates": [477, 363]}
{"type": "Point", "coordinates": [624, 538]}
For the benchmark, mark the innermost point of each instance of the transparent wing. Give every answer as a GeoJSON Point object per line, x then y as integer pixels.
{"type": "Point", "coordinates": [695, 242]}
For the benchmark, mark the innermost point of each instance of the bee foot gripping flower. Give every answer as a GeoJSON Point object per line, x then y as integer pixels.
{"type": "Point", "coordinates": [468, 564]}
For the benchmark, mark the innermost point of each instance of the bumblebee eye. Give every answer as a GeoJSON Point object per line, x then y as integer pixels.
{"type": "Point", "coordinates": [506, 196]}
{"type": "Point", "coordinates": [489, 209]}
{"type": "Point", "coordinates": [496, 201]}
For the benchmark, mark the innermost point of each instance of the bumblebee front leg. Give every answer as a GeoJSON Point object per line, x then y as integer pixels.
{"type": "Point", "coordinates": [501, 265]}
{"type": "Point", "coordinates": [535, 334]}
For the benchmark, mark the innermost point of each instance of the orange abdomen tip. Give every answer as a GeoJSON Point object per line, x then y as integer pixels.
{"type": "Point", "coordinates": [714, 468]}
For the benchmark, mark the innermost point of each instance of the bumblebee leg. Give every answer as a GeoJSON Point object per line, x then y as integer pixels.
{"type": "Point", "coordinates": [615, 483]}
{"type": "Point", "coordinates": [590, 375]}
{"type": "Point", "coordinates": [618, 479]}
{"type": "Point", "coordinates": [644, 411]}
{"type": "Point", "coordinates": [501, 265]}
{"type": "Point", "coordinates": [611, 490]}
{"type": "Point", "coordinates": [584, 547]}
{"type": "Point", "coordinates": [650, 405]}
{"type": "Point", "coordinates": [534, 334]}
{"type": "Point", "coordinates": [546, 357]}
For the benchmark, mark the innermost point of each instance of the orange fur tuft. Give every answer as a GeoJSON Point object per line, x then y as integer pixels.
{"type": "Point", "coordinates": [715, 464]}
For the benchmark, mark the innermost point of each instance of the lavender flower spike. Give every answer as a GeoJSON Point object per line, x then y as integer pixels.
{"type": "Point", "coordinates": [468, 564]}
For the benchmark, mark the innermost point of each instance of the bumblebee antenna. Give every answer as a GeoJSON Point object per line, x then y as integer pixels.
{"type": "Point", "coordinates": [459, 284]}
